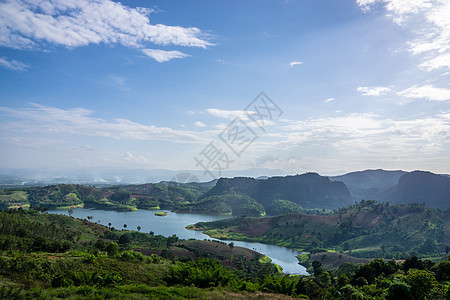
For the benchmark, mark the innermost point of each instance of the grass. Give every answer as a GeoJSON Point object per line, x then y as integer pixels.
{"type": "Point", "coordinates": [161, 214]}
{"type": "Point", "coordinates": [136, 291]}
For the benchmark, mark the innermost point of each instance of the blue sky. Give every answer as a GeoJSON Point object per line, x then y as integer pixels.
{"type": "Point", "coordinates": [150, 84]}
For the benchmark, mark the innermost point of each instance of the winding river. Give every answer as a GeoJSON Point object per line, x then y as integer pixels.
{"type": "Point", "coordinates": [175, 223]}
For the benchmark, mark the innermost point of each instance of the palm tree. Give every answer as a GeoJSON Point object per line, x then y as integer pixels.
{"type": "Point", "coordinates": [124, 225]}
{"type": "Point", "coordinates": [109, 224]}
{"type": "Point", "coordinates": [139, 228]}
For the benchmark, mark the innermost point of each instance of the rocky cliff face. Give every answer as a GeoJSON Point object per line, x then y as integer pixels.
{"type": "Point", "coordinates": [308, 190]}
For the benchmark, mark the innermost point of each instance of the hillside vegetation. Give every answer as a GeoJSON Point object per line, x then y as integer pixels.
{"type": "Point", "coordinates": [240, 196]}
{"type": "Point", "coordinates": [365, 229]}
{"type": "Point", "coordinates": [421, 187]}
{"type": "Point", "coordinates": [274, 195]}
{"type": "Point", "coordinates": [398, 187]}
{"type": "Point", "coordinates": [53, 257]}
{"type": "Point", "coordinates": [129, 197]}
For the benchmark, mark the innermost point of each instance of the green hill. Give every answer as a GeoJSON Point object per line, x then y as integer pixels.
{"type": "Point", "coordinates": [369, 184]}
{"type": "Point", "coordinates": [421, 187]}
{"type": "Point", "coordinates": [306, 191]}
{"type": "Point", "coordinates": [366, 229]}
{"type": "Point", "coordinates": [129, 197]}
{"type": "Point", "coordinates": [45, 256]}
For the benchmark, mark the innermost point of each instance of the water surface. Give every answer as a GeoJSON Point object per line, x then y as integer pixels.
{"type": "Point", "coordinates": [175, 223]}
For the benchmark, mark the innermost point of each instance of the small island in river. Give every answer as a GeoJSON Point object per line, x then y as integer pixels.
{"type": "Point", "coordinates": [161, 214]}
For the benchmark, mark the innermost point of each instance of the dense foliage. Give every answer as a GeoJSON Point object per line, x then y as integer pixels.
{"type": "Point", "coordinates": [231, 203]}
{"type": "Point", "coordinates": [98, 262]}
{"type": "Point", "coordinates": [130, 197]}
{"type": "Point", "coordinates": [308, 190]}
{"type": "Point", "coordinates": [366, 229]}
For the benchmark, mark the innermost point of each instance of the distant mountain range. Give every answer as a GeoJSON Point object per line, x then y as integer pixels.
{"type": "Point", "coordinates": [308, 190]}
{"type": "Point", "coordinates": [267, 193]}
{"type": "Point", "coordinates": [421, 187]}
{"type": "Point", "coordinates": [398, 187]}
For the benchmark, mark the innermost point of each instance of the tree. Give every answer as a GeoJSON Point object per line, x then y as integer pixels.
{"type": "Point", "coordinates": [447, 249]}
{"type": "Point", "coordinates": [70, 212]}
{"type": "Point", "coordinates": [139, 228]}
{"type": "Point", "coordinates": [124, 239]}
{"type": "Point", "coordinates": [100, 244]}
{"type": "Point", "coordinates": [317, 266]}
{"type": "Point", "coordinates": [172, 240]}
{"type": "Point", "coordinates": [90, 218]}
{"type": "Point", "coordinates": [112, 249]}
{"type": "Point", "coordinates": [399, 290]}
{"type": "Point", "coordinates": [442, 271]}
{"type": "Point", "coordinates": [422, 283]}
{"type": "Point", "coordinates": [125, 225]}
{"type": "Point", "coordinates": [109, 224]}
{"type": "Point", "coordinates": [231, 246]}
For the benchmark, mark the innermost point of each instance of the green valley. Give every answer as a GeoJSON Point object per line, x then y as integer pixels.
{"type": "Point", "coordinates": [366, 229]}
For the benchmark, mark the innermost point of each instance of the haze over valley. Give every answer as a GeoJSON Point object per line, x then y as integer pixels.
{"type": "Point", "coordinates": [225, 149]}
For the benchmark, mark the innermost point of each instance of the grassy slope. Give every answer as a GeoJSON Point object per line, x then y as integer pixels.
{"type": "Point", "coordinates": [356, 228]}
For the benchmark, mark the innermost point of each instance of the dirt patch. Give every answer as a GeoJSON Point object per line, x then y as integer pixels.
{"type": "Point", "coordinates": [254, 227]}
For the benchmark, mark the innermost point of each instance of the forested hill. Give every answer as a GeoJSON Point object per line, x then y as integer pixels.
{"type": "Point", "coordinates": [369, 184]}
{"type": "Point", "coordinates": [129, 197]}
{"type": "Point", "coordinates": [308, 190]}
{"type": "Point", "coordinates": [365, 229]}
{"type": "Point", "coordinates": [244, 195]}
{"type": "Point", "coordinates": [370, 179]}
{"type": "Point", "coordinates": [421, 187]}
{"type": "Point", "coordinates": [398, 187]}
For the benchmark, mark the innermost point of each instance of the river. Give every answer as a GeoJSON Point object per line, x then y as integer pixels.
{"type": "Point", "coordinates": [175, 223]}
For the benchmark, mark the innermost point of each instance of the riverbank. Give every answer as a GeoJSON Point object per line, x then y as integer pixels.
{"type": "Point", "coordinates": [175, 223]}
{"type": "Point", "coordinates": [69, 207]}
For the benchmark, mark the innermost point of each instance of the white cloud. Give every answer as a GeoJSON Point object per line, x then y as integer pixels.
{"type": "Point", "coordinates": [429, 21]}
{"type": "Point", "coordinates": [13, 64]}
{"type": "Point", "coordinates": [370, 135]}
{"type": "Point", "coordinates": [134, 159]}
{"type": "Point", "coordinates": [328, 100]}
{"type": "Point", "coordinates": [437, 62]}
{"type": "Point", "coordinates": [373, 90]}
{"type": "Point", "coordinates": [79, 121]}
{"type": "Point", "coordinates": [117, 82]}
{"type": "Point", "coordinates": [294, 63]}
{"type": "Point", "coordinates": [229, 114]}
{"type": "Point", "coordinates": [200, 124]}
{"type": "Point", "coordinates": [28, 24]}
{"type": "Point", "coordinates": [426, 92]}
{"type": "Point", "coordinates": [163, 56]}
{"type": "Point", "coordinates": [398, 9]}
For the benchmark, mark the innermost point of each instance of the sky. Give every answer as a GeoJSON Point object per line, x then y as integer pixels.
{"type": "Point", "coordinates": [297, 85]}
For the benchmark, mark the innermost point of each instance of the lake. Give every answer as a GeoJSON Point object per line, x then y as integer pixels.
{"type": "Point", "coordinates": [175, 223]}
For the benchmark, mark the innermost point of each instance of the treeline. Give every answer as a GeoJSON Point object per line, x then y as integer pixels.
{"type": "Point", "coordinates": [128, 197]}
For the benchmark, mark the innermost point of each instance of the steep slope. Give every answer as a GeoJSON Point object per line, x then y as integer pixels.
{"type": "Point", "coordinates": [369, 184]}
{"type": "Point", "coordinates": [370, 178]}
{"type": "Point", "coordinates": [308, 190]}
{"type": "Point", "coordinates": [421, 187]}
{"type": "Point", "coordinates": [367, 229]}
